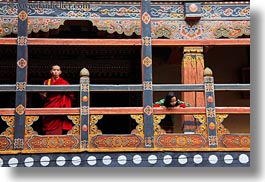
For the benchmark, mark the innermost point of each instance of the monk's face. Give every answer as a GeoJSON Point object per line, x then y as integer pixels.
{"type": "Point", "coordinates": [56, 72]}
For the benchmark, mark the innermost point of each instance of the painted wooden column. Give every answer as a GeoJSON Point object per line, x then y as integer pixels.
{"type": "Point", "coordinates": [84, 107]}
{"type": "Point", "coordinates": [147, 74]}
{"type": "Point", "coordinates": [192, 73]}
{"type": "Point", "coordinates": [210, 108]}
{"type": "Point", "coordinates": [21, 75]}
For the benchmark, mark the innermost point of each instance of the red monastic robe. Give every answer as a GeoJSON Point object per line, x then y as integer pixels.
{"type": "Point", "coordinates": [57, 100]}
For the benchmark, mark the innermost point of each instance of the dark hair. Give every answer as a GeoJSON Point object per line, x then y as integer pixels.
{"type": "Point", "coordinates": [55, 65]}
{"type": "Point", "coordinates": [168, 98]}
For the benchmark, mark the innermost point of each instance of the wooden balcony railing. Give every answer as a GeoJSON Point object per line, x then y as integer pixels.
{"type": "Point", "coordinates": [211, 134]}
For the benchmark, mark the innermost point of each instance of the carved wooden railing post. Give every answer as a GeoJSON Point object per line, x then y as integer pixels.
{"type": "Point", "coordinates": [84, 108]}
{"type": "Point", "coordinates": [147, 78]}
{"type": "Point", "coordinates": [21, 75]}
{"type": "Point", "coordinates": [210, 107]}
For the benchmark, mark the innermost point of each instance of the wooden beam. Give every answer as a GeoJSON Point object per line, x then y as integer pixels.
{"type": "Point", "coordinates": [174, 42]}
{"type": "Point", "coordinates": [127, 42]}
{"type": "Point", "coordinates": [126, 110]}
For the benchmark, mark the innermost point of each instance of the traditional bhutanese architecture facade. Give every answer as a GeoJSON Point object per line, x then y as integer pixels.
{"type": "Point", "coordinates": [120, 57]}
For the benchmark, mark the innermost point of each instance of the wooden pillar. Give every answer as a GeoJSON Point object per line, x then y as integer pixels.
{"type": "Point", "coordinates": [84, 107]}
{"type": "Point", "coordinates": [210, 108]}
{"type": "Point", "coordinates": [21, 75]}
{"type": "Point", "coordinates": [146, 58]}
{"type": "Point", "coordinates": [192, 73]}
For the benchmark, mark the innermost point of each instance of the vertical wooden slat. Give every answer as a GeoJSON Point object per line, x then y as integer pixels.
{"type": "Point", "coordinates": [210, 108]}
{"type": "Point", "coordinates": [147, 73]}
{"type": "Point", "coordinates": [21, 75]}
{"type": "Point", "coordinates": [84, 106]}
{"type": "Point", "coordinates": [199, 96]}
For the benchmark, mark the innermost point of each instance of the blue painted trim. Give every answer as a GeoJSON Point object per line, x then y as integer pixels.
{"type": "Point", "coordinates": [129, 159]}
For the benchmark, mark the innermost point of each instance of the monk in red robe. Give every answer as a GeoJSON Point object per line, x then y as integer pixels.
{"type": "Point", "coordinates": [56, 125]}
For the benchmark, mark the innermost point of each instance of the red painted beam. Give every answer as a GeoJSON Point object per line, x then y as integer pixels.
{"type": "Point", "coordinates": [126, 110]}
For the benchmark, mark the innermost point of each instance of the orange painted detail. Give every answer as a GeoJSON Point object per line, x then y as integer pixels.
{"type": "Point", "coordinates": [235, 141]}
{"type": "Point", "coordinates": [85, 99]}
{"type": "Point", "coordinates": [212, 126]}
{"type": "Point", "coordinates": [180, 141]}
{"type": "Point", "coordinates": [193, 8]}
{"type": "Point", "coordinates": [53, 142]}
{"type": "Point", "coordinates": [210, 99]}
{"type": "Point", "coordinates": [84, 128]}
{"type": "Point", "coordinates": [5, 144]}
{"type": "Point", "coordinates": [117, 141]}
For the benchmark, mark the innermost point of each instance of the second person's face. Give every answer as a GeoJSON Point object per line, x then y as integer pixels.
{"type": "Point", "coordinates": [173, 101]}
{"type": "Point", "coordinates": [56, 72]}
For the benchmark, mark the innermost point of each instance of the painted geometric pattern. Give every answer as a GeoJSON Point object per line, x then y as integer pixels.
{"type": "Point", "coordinates": [93, 129]}
{"type": "Point", "coordinates": [29, 131]}
{"type": "Point", "coordinates": [181, 141]}
{"type": "Point", "coordinates": [210, 112]}
{"type": "Point", "coordinates": [146, 18]}
{"type": "Point", "coordinates": [201, 30]}
{"type": "Point", "coordinates": [235, 141]}
{"type": "Point", "coordinates": [147, 85]}
{"type": "Point", "coordinates": [38, 142]}
{"type": "Point", "coordinates": [23, 15]}
{"type": "Point", "coordinates": [5, 143]}
{"type": "Point", "coordinates": [128, 27]}
{"type": "Point", "coordinates": [157, 128]}
{"type": "Point", "coordinates": [7, 136]}
{"type": "Point", "coordinates": [21, 86]}
{"type": "Point", "coordinates": [212, 140]}
{"type": "Point", "coordinates": [115, 19]}
{"type": "Point", "coordinates": [10, 121]}
{"type": "Point", "coordinates": [192, 59]}
{"type": "Point", "coordinates": [44, 24]}
{"type": "Point", "coordinates": [139, 129]}
{"type": "Point", "coordinates": [18, 143]}
{"type": "Point", "coordinates": [22, 63]}
{"type": "Point", "coordinates": [148, 110]}
{"type": "Point", "coordinates": [169, 29]}
{"type": "Point", "coordinates": [20, 109]}
{"type": "Point", "coordinates": [228, 11]}
{"type": "Point", "coordinates": [109, 141]}
{"type": "Point", "coordinates": [147, 61]}
{"type": "Point", "coordinates": [209, 87]}
{"type": "Point", "coordinates": [148, 141]}
{"type": "Point", "coordinates": [124, 10]}
{"type": "Point", "coordinates": [34, 141]}
{"type": "Point", "coordinates": [221, 130]}
{"type": "Point", "coordinates": [130, 159]}
{"type": "Point", "coordinates": [84, 110]}
{"type": "Point", "coordinates": [178, 29]}
{"type": "Point", "coordinates": [146, 41]}
{"type": "Point", "coordinates": [84, 86]}
{"type": "Point", "coordinates": [22, 40]}
{"type": "Point", "coordinates": [9, 25]}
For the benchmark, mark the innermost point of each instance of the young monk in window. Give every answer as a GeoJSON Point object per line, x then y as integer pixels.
{"type": "Point", "coordinates": [170, 100]}
{"type": "Point", "coordinates": [56, 125]}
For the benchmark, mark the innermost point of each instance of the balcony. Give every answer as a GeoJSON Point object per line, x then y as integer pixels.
{"type": "Point", "coordinates": [211, 135]}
